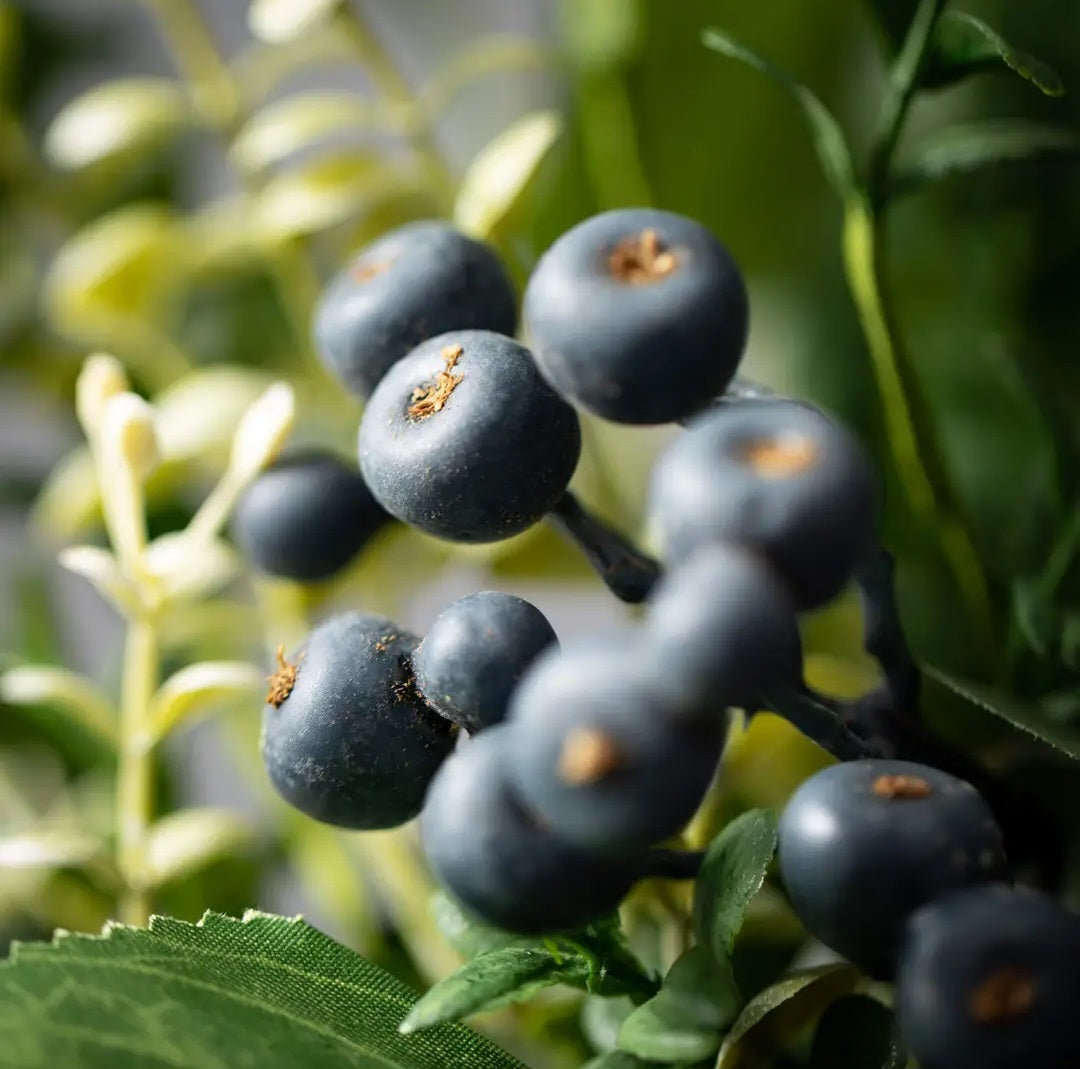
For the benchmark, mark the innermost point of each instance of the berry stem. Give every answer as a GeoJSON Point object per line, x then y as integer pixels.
{"type": "Point", "coordinates": [821, 721]}
{"type": "Point", "coordinates": [629, 573]}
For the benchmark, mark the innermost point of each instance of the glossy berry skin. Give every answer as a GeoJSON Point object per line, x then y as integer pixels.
{"type": "Point", "coordinates": [419, 280]}
{"type": "Point", "coordinates": [725, 624]}
{"type": "Point", "coordinates": [605, 749]}
{"type": "Point", "coordinates": [865, 844]}
{"type": "Point", "coordinates": [499, 862]}
{"type": "Point", "coordinates": [778, 477]}
{"type": "Point", "coordinates": [475, 653]}
{"type": "Point", "coordinates": [306, 517]}
{"type": "Point", "coordinates": [352, 743]}
{"type": "Point", "coordinates": [990, 979]}
{"type": "Point", "coordinates": [639, 316]}
{"type": "Point", "coordinates": [464, 440]}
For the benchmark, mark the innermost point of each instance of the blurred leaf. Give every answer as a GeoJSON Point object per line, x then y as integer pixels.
{"type": "Point", "coordinates": [961, 149]}
{"type": "Point", "coordinates": [466, 935]}
{"type": "Point", "coordinates": [296, 122]}
{"type": "Point", "coordinates": [260, 66]}
{"type": "Point", "coordinates": [198, 688]}
{"type": "Point", "coordinates": [684, 1021]}
{"type": "Point", "coordinates": [100, 568]}
{"type": "Point", "coordinates": [47, 850]}
{"type": "Point", "coordinates": [775, 1016]}
{"type": "Point", "coordinates": [68, 501]}
{"type": "Point", "coordinates": [616, 1059]}
{"type": "Point", "coordinates": [265, 991]}
{"type": "Point", "coordinates": [829, 140]}
{"type": "Point", "coordinates": [191, 568]}
{"type": "Point", "coordinates": [1035, 615]}
{"type": "Point", "coordinates": [1021, 716]}
{"type": "Point", "coordinates": [125, 115]}
{"type": "Point", "coordinates": [499, 176]}
{"type": "Point", "coordinates": [856, 1032]}
{"type": "Point", "coordinates": [601, 33]}
{"type": "Point", "coordinates": [68, 693]}
{"type": "Point", "coordinates": [280, 21]}
{"type": "Point", "coordinates": [187, 840]}
{"type": "Point", "coordinates": [893, 19]}
{"type": "Point", "coordinates": [965, 45]}
{"type": "Point", "coordinates": [601, 1019]}
{"type": "Point", "coordinates": [731, 874]}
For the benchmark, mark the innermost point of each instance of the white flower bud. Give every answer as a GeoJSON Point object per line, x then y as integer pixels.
{"type": "Point", "coordinates": [262, 431]}
{"type": "Point", "coordinates": [102, 377]}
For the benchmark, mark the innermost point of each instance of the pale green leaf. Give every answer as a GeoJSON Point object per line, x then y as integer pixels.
{"type": "Point", "coordinates": [187, 840]}
{"type": "Point", "coordinates": [47, 849]}
{"type": "Point", "coordinates": [500, 174]}
{"type": "Point", "coordinates": [199, 689]}
{"type": "Point", "coordinates": [602, 33]}
{"type": "Point", "coordinates": [466, 935]}
{"type": "Point", "coordinates": [264, 992]}
{"type": "Point", "coordinates": [68, 502]}
{"type": "Point", "coordinates": [279, 21]}
{"type": "Point", "coordinates": [120, 116]}
{"type": "Point", "coordinates": [187, 567]}
{"type": "Point", "coordinates": [72, 695]}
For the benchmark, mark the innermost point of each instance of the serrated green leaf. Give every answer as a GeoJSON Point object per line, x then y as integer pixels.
{"type": "Point", "coordinates": [731, 874]}
{"type": "Point", "coordinates": [187, 840]}
{"type": "Point", "coordinates": [265, 991]}
{"type": "Point", "coordinates": [965, 45]}
{"type": "Point", "coordinates": [773, 1017]}
{"type": "Point", "coordinates": [828, 136]}
{"type": "Point", "coordinates": [73, 696]}
{"type": "Point", "coordinates": [122, 116]}
{"type": "Point", "coordinates": [856, 1032]}
{"type": "Point", "coordinates": [685, 1020]}
{"type": "Point", "coordinates": [279, 21]}
{"type": "Point", "coordinates": [1023, 717]}
{"type": "Point", "coordinates": [962, 149]}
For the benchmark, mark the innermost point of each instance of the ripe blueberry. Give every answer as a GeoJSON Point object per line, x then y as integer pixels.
{"type": "Point", "coordinates": [502, 864]}
{"type": "Point", "coordinates": [464, 440]}
{"type": "Point", "coordinates": [778, 477]}
{"type": "Point", "coordinates": [989, 979]}
{"type": "Point", "coordinates": [474, 654]}
{"type": "Point", "coordinates": [725, 624]}
{"type": "Point", "coordinates": [423, 279]}
{"type": "Point", "coordinates": [605, 749]}
{"type": "Point", "coordinates": [345, 736]}
{"type": "Point", "coordinates": [639, 316]}
{"type": "Point", "coordinates": [863, 845]}
{"type": "Point", "coordinates": [306, 517]}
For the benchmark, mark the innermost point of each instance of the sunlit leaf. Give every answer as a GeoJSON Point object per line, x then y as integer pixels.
{"type": "Point", "coordinates": [601, 33]}
{"type": "Point", "coordinates": [47, 849]}
{"type": "Point", "coordinates": [199, 688]}
{"type": "Point", "coordinates": [188, 840]}
{"type": "Point", "coordinates": [279, 21]}
{"type": "Point", "coordinates": [70, 694]}
{"type": "Point", "coordinates": [191, 568]}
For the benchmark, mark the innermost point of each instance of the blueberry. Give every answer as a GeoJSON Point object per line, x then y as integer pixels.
{"type": "Point", "coordinates": [863, 845]}
{"type": "Point", "coordinates": [501, 863]}
{"type": "Point", "coordinates": [725, 624]}
{"type": "Point", "coordinates": [306, 517]}
{"type": "Point", "coordinates": [464, 440]}
{"type": "Point", "coordinates": [778, 477]}
{"type": "Point", "coordinates": [423, 279]}
{"type": "Point", "coordinates": [605, 750]}
{"type": "Point", "coordinates": [989, 978]}
{"type": "Point", "coordinates": [345, 736]}
{"type": "Point", "coordinates": [637, 315]}
{"type": "Point", "coordinates": [474, 654]}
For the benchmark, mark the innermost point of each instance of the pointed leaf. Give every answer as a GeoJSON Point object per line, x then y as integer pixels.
{"type": "Point", "coordinates": [47, 850]}
{"type": "Point", "coordinates": [187, 840]}
{"type": "Point", "coordinates": [776, 1015]}
{"type": "Point", "coordinates": [828, 136]}
{"type": "Point", "coordinates": [467, 936]}
{"type": "Point", "coordinates": [73, 695]}
{"type": "Point", "coordinates": [856, 1032]}
{"type": "Point", "coordinates": [731, 874]}
{"type": "Point", "coordinates": [189, 567]}
{"type": "Point", "coordinates": [1023, 717]}
{"type": "Point", "coordinates": [198, 689]}
{"type": "Point", "coordinates": [965, 45]}
{"type": "Point", "coordinates": [279, 21]}
{"type": "Point", "coordinates": [684, 1021]}
{"type": "Point", "coordinates": [265, 991]}
{"type": "Point", "coordinates": [500, 174]}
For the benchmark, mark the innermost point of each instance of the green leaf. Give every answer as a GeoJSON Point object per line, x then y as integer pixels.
{"type": "Point", "coordinates": [187, 840]}
{"type": "Point", "coordinates": [1035, 615]}
{"type": "Point", "coordinates": [265, 991]}
{"type": "Point", "coordinates": [685, 1020]}
{"type": "Point", "coordinates": [122, 116]}
{"type": "Point", "coordinates": [965, 45]}
{"type": "Point", "coordinates": [467, 936]}
{"type": "Point", "coordinates": [828, 136]}
{"type": "Point", "coordinates": [200, 688]}
{"type": "Point", "coordinates": [778, 1014]}
{"type": "Point", "coordinates": [1023, 717]}
{"type": "Point", "coordinates": [856, 1032]}
{"type": "Point", "coordinates": [48, 849]}
{"type": "Point", "coordinates": [500, 175]}
{"type": "Point", "coordinates": [279, 21]}
{"type": "Point", "coordinates": [616, 1059]}
{"type": "Point", "coordinates": [601, 34]}
{"type": "Point", "coordinates": [893, 18]}
{"type": "Point", "coordinates": [962, 149]}
{"type": "Point", "coordinates": [731, 874]}
{"type": "Point", "coordinates": [75, 697]}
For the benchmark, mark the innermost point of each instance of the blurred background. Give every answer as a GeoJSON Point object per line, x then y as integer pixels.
{"type": "Point", "coordinates": [176, 180]}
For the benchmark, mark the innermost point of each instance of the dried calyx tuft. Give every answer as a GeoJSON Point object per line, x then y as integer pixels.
{"type": "Point", "coordinates": [427, 400]}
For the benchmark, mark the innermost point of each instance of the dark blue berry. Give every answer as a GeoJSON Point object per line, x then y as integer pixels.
{"type": "Point", "coordinates": [863, 845]}
{"type": "Point", "coordinates": [639, 316]}
{"type": "Point", "coordinates": [989, 978]}
{"type": "Point", "coordinates": [605, 749]}
{"type": "Point", "coordinates": [423, 279]}
{"type": "Point", "coordinates": [306, 517]}
{"type": "Point", "coordinates": [346, 738]}
{"type": "Point", "coordinates": [501, 863]}
{"type": "Point", "coordinates": [464, 440]}
{"type": "Point", "coordinates": [725, 624]}
{"type": "Point", "coordinates": [475, 653]}
{"type": "Point", "coordinates": [778, 477]}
